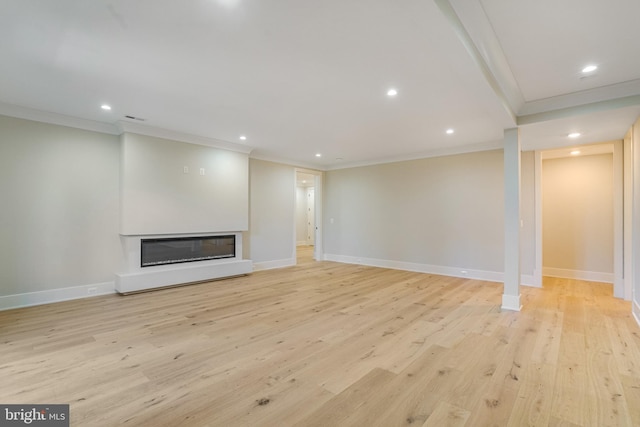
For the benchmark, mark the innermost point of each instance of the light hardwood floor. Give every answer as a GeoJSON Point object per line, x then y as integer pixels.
{"type": "Point", "coordinates": [328, 344]}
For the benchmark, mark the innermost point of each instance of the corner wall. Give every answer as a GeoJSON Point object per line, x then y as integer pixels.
{"type": "Point", "coordinates": [59, 216]}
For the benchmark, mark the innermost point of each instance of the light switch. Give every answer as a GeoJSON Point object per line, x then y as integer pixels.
{"type": "Point", "coordinates": [185, 169]}
{"type": "Point", "coordinates": [201, 171]}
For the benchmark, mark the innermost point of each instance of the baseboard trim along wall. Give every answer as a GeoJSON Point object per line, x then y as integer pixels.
{"type": "Point", "coordinates": [511, 302]}
{"type": "Point", "coordinates": [636, 311]}
{"type": "Point", "coordinates": [591, 276]}
{"type": "Point", "coordinates": [29, 299]}
{"type": "Point", "coordinates": [489, 276]}
{"type": "Point", "coordinates": [301, 243]}
{"type": "Point", "coordinates": [269, 265]}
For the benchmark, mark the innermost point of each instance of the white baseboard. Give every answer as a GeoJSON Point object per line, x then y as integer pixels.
{"type": "Point", "coordinates": [591, 276]}
{"type": "Point", "coordinates": [55, 295]}
{"type": "Point", "coordinates": [269, 265]}
{"type": "Point", "coordinates": [528, 280]}
{"type": "Point", "coordinates": [301, 243]}
{"type": "Point", "coordinates": [489, 276]}
{"type": "Point", "coordinates": [511, 302]}
{"type": "Point", "coordinates": [635, 309]}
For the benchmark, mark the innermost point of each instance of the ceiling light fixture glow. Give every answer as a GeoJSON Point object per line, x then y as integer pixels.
{"type": "Point", "coordinates": [574, 135]}
{"type": "Point", "coordinates": [575, 152]}
{"type": "Point", "coordinates": [318, 155]}
{"type": "Point", "coordinates": [106, 107]}
{"type": "Point", "coordinates": [242, 137]}
{"type": "Point", "coordinates": [589, 68]}
{"type": "Point", "coordinates": [392, 92]}
{"type": "Point", "coordinates": [450, 131]}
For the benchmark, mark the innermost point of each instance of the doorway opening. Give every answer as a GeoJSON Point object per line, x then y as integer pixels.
{"type": "Point", "coordinates": [308, 240]}
{"type": "Point", "coordinates": [579, 204]}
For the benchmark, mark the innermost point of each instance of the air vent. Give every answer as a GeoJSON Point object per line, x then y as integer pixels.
{"type": "Point", "coordinates": [140, 119]}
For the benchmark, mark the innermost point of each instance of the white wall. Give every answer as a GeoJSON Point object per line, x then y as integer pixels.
{"type": "Point", "coordinates": [271, 237]}
{"type": "Point", "coordinates": [59, 216]}
{"type": "Point", "coordinates": [443, 214]}
{"type": "Point", "coordinates": [577, 212]}
{"type": "Point", "coordinates": [158, 197]}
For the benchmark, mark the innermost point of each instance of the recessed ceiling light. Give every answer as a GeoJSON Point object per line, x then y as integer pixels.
{"type": "Point", "coordinates": [575, 152]}
{"type": "Point", "coordinates": [450, 131]}
{"type": "Point", "coordinates": [318, 155]}
{"type": "Point", "coordinates": [304, 181]}
{"type": "Point", "coordinates": [106, 107]}
{"type": "Point", "coordinates": [574, 135]}
{"type": "Point", "coordinates": [242, 137]}
{"type": "Point", "coordinates": [589, 68]}
{"type": "Point", "coordinates": [392, 92]}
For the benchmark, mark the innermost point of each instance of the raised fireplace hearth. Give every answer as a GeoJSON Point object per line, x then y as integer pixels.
{"type": "Point", "coordinates": [155, 261]}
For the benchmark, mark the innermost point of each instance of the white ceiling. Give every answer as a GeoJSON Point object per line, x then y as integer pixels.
{"type": "Point", "coordinates": [304, 77]}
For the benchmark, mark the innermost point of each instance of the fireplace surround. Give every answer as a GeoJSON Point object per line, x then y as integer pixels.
{"type": "Point", "coordinates": [155, 261]}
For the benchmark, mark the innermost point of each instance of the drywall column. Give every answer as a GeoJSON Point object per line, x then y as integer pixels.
{"type": "Point", "coordinates": [511, 293]}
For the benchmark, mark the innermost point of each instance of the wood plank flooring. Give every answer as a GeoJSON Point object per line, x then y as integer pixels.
{"type": "Point", "coordinates": [328, 344]}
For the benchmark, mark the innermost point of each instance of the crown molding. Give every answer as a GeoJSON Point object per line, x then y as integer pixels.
{"type": "Point", "coordinates": [259, 155]}
{"type": "Point", "coordinates": [593, 107]}
{"type": "Point", "coordinates": [180, 136]}
{"type": "Point", "coordinates": [619, 93]}
{"type": "Point", "coordinates": [27, 113]}
{"type": "Point", "coordinates": [440, 152]}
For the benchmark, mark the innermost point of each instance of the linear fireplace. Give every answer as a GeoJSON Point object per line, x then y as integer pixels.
{"type": "Point", "coordinates": [160, 260]}
{"type": "Point", "coordinates": [177, 250]}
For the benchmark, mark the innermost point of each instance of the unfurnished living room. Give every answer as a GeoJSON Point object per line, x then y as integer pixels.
{"type": "Point", "coordinates": [329, 213]}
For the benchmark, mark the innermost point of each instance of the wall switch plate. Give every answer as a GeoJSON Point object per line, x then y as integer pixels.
{"type": "Point", "coordinates": [201, 171]}
{"type": "Point", "coordinates": [185, 169]}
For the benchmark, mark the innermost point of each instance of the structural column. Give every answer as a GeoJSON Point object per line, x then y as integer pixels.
{"type": "Point", "coordinates": [511, 293]}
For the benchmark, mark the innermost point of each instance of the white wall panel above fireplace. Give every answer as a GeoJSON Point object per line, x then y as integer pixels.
{"type": "Point", "coordinates": [170, 187]}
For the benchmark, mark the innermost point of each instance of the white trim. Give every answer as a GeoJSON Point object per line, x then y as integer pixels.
{"type": "Point", "coordinates": [577, 110]}
{"type": "Point", "coordinates": [270, 265]}
{"type": "Point", "coordinates": [635, 310]}
{"type": "Point", "coordinates": [26, 113]}
{"type": "Point", "coordinates": [591, 276]}
{"type": "Point", "coordinates": [489, 276]}
{"type": "Point", "coordinates": [618, 221]}
{"type": "Point", "coordinates": [301, 243]}
{"type": "Point", "coordinates": [511, 302]}
{"type": "Point", "coordinates": [475, 53]}
{"type": "Point", "coordinates": [29, 299]}
{"type": "Point", "coordinates": [627, 227]}
{"type": "Point", "coordinates": [529, 280]}
{"type": "Point", "coordinates": [439, 152]}
{"type": "Point", "coordinates": [589, 96]}
{"type": "Point", "coordinates": [181, 136]}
